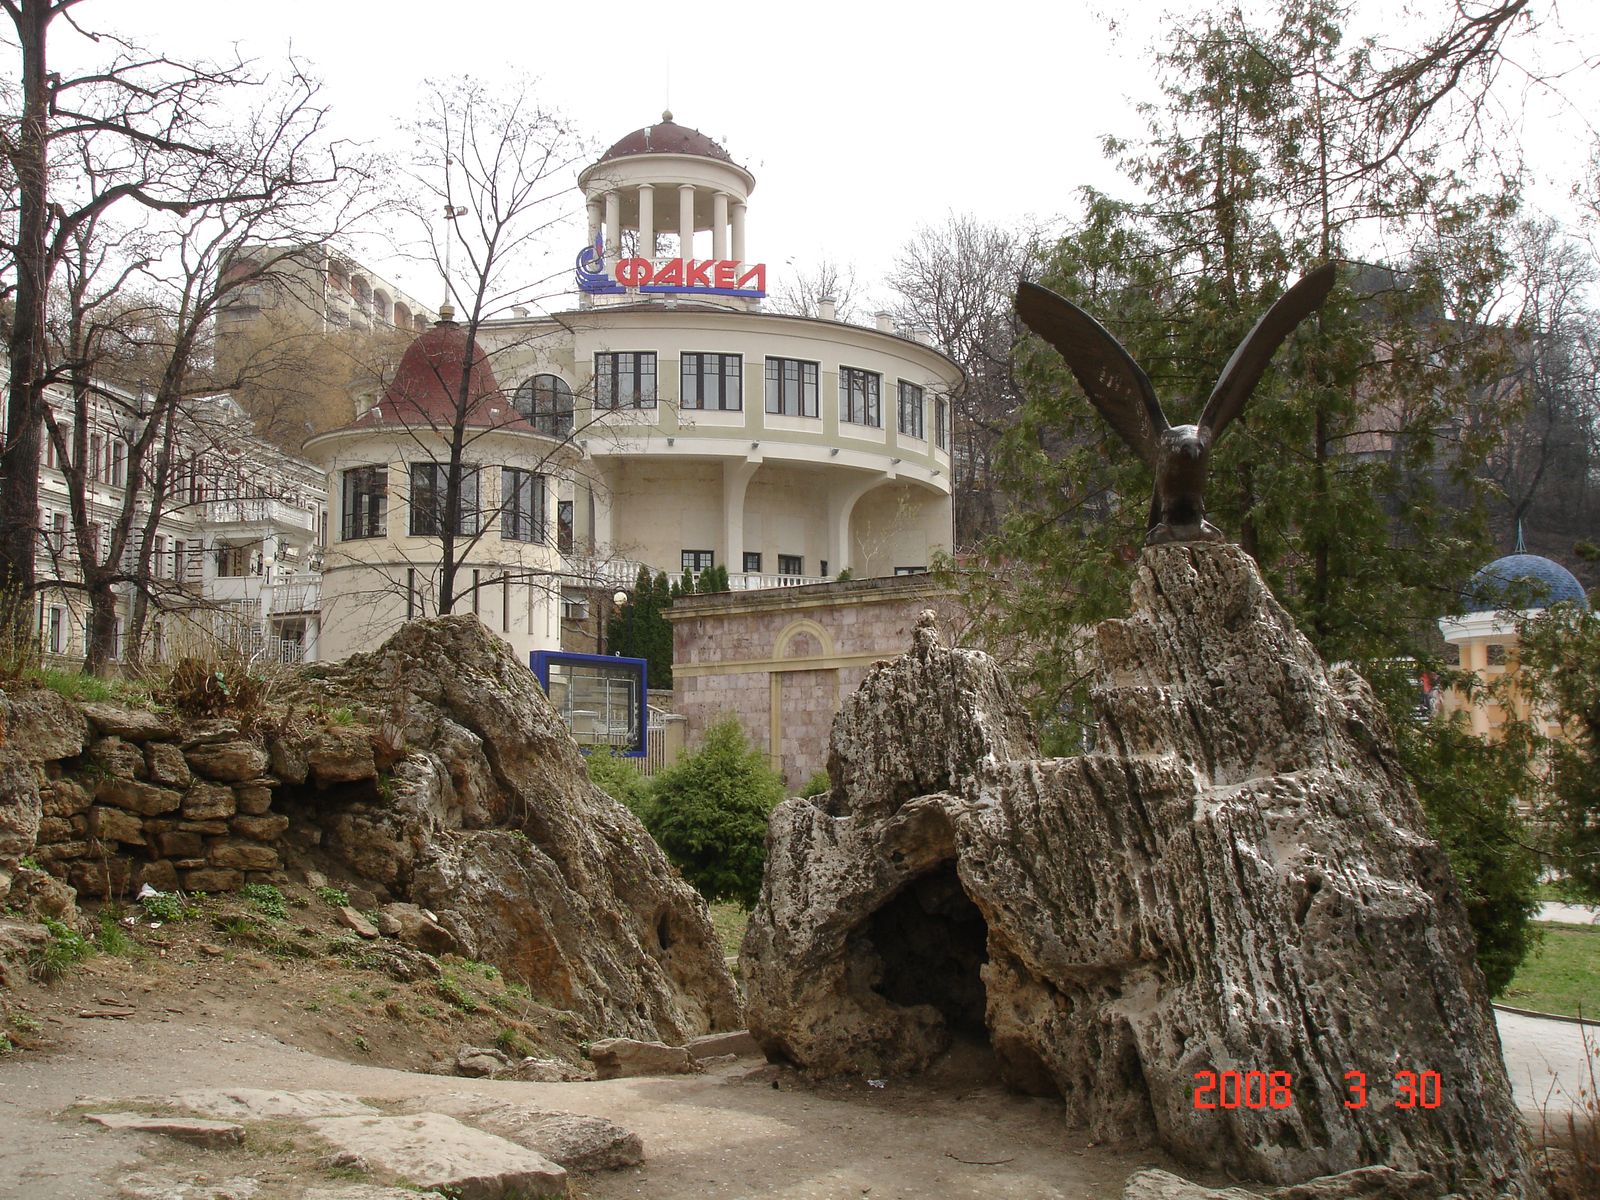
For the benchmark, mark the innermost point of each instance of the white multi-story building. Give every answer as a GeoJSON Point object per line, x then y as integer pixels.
{"type": "Point", "coordinates": [320, 288]}
{"type": "Point", "coordinates": [234, 551]}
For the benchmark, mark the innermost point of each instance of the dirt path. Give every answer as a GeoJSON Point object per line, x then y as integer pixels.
{"type": "Point", "coordinates": [728, 1133]}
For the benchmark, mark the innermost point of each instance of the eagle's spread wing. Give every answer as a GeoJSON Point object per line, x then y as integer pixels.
{"type": "Point", "coordinates": [1249, 361]}
{"type": "Point", "coordinates": [1113, 381]}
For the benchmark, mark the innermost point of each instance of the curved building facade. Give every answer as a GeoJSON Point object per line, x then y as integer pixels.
{"type": "Point", "coordinates": [785, 449]}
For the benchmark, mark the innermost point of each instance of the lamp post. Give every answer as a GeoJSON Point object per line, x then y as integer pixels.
{"type": "Point", "coordinates": [619, 598]}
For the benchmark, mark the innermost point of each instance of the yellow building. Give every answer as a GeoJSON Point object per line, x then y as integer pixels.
{"type": "Point", "coordinates": [1499, 595]}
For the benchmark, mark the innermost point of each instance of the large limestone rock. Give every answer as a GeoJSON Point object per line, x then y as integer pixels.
{"type": "Point", "coordinates": [1237, 880]}
{"type": "Point", "coordinates": [487, 819]}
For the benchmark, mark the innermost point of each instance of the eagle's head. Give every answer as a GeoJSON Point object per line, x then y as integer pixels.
{"type": "Point", "coordinates": [1185, 442]}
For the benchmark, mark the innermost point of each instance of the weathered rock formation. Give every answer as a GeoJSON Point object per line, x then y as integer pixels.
{"type": "Point", "coordinates": [447, 786]}
{"type": "Point", "coordinates": [1237, 881]}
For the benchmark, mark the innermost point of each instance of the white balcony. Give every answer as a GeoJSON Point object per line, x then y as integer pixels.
{"type": "Point", "coordinates": [622, 573]}
{"type": "Point", "coordinates": [260, 512]}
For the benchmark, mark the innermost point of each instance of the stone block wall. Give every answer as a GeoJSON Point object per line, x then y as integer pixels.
{"type": "Point", "coordinates": [108, 799]}
{"type": "Point", "coordinates": [782, 660]}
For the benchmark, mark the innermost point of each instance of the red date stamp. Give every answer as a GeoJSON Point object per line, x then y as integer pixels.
{"type": "Point", "coordinates": [1275, 1089]}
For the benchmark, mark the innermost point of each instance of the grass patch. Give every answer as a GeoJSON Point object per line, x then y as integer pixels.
{"type": "Point", "coordinates": [1561, 974]}
{"type": "Point", "coordinates": [112, 938]}
{"type": "Point", "coordinates": [451, 991]}
{"type": "Point", "coordinates": [75, 685]}
{"type": "Point", "coordinates": [337, 897]}
{"type": "Point", "coordinates": [729, 921]}
{"type": "Point", "coordinates": [65, 949]}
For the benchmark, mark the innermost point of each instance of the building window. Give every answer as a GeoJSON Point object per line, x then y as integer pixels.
{"type": "Point", "coordinates": [823, 569]}
{"type": "Point", "coordinates": [545, 401]}
{"type": "Point", "coordinates": [752, 562]}
{"type": "Point", "coordinates": [96, 450]}
{"type": "Point", "coordinates": [911, 570]}
{"type": "Point", "coordinates": [791, 564]}
{"type": "Point", "coordinates": [411, 592]}
{"type": "Point", "coordinates": [521, 505]}
{"type": "Point", "coordinates": [158, 558]}
{"type": "Point", "coordinates": [117, 450]}
{"type": "Point", "coordinates": [58, 532]}
{"type": "Point", "coordinates": [713, 381]}
{"type": "Point", "coordinates": [694, 561]}
{"type": "Point", "coordinates": [910, 409]}
{"type": "Point", "coordinates": [564, 526]}
{"type": "Point", "coordinates": [626, 380]}
{"type": "Point", "coordinates": [177, 559]}
{"type": "Point", "coordinates": [791, 387]}
{"type": "Point", "coordinates": [366, 502]}
{"type": "Point", "coordinates": [858, 397]}
{"type": "Point", "coordinates": [941, 422]}
{"type": "Point", "coordinates": [1496, 652]}
{"type": "Point", "coordinates": [430, 482]}
{"type": "Point", "coordinates": [58, 630]}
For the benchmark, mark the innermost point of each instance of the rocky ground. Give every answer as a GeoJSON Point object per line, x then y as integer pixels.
{"type": "Point", "coordinates": [218, 1002]}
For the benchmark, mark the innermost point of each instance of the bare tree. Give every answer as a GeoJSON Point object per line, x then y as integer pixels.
{"type": "Point", "coordinates": [147, 115]}
{"type": "Point", "coordinates": [272, 177]}
{"type": "Point", "coordinates": [805, 288]}
{"type": "Point", "coordinates": [490, 180]}
{"type": "Point", "coordinates": [954, 284]}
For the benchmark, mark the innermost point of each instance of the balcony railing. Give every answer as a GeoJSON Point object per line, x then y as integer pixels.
{"type": "Point", "coordinates": [300, 592]}
{"type": "Point", "coordinates": [259, 512]}
{"type": "Point", "coordinates": [621, 573]}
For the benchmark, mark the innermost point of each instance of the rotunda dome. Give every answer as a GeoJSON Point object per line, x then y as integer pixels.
{"type": "Point", "coordinates": [666, 137]}
{"type": "Point", "coordinates": [1522, 580]}
{"type": "Point", "coordinates": [423, 390]}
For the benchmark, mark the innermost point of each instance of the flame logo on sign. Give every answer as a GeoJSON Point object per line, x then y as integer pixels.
{"type": "Point", "coordinates": [590, 270]}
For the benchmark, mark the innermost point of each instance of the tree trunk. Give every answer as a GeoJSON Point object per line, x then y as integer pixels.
{"type": "Point", "coordinates": [102, 628]}
{"type": "Point", "coordinates": [19, 463]}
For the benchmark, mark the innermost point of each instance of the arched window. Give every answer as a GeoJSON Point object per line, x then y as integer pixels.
{"type": "Point", "coordinates": [380, 305]}
{"type": "Point", "coordinates": [402, 315]}
{"type": "Point", "coordinates": [546, 402]}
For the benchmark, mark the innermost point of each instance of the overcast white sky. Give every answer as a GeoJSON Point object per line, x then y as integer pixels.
{"type": "Point", "coordinates": [860, 120]}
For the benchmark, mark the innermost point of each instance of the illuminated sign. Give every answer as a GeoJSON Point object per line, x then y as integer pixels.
{"type": "Point", "coordinates": [694, 276]}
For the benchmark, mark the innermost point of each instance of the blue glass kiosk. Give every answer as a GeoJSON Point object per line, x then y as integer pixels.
{"type": "Point", "coordinates": [602, 699]}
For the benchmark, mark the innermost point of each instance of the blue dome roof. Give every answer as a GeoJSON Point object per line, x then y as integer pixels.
{"type": "Point", "coordinates": [1523, 581]}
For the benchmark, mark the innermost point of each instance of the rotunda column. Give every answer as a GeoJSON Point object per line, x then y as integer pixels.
{"type": "Point", "coordinates": [738, 230]}
{"type": "Point", "coordinates": [686, 220]}
{"type": "Point", "coordinates": [592, 208]}
{"type": "Point", "coordinates": [613, 226]}
{"type": "Point", "coordinates": [719, 225]}
{"type": "Point", "coordinates": [647, 221]}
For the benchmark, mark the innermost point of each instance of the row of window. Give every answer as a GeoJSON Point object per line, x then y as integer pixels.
{"type": "Point", "coordinates": [106, 454]}
{"type": "Point", "coordinates": [366, 502]}
{"type": "Point", "coordinates": [715, 383]}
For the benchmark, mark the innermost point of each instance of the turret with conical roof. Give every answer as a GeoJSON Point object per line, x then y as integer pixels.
{"type": "Point", "coordinates": [664, 179]}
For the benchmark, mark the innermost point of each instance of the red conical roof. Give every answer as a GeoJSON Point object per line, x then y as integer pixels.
{"type": "Point", "coordinates": [425, 387]}
{"type": "Point", "coordinates": [666, 137]}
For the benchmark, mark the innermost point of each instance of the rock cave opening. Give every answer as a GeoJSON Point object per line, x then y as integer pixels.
{"type": "Point", "coordinates": [932, 943]}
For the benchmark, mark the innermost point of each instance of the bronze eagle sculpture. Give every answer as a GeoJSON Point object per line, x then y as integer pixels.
{"type": "Point", "coordinates": [1179, 455]}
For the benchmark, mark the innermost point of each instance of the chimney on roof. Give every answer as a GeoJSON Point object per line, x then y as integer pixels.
{"type": "Point", "coordinates": [825, 309]}
{"type": "Point", "coordinates": [885, 322]}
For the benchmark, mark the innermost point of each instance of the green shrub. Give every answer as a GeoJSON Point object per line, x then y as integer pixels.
{"type": "Point", "coordinates": [337, 897]}
{"type": "Point", "coordinates": [709, 813]}
{"type": "Point", "coordinates": [168, 906]}
{"type": "Point", "coordinates": [618, 778]}
{"type": "Point", "coordinates": [266, 898]}
{"type": "Point", "coordinates": [817, 785]}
